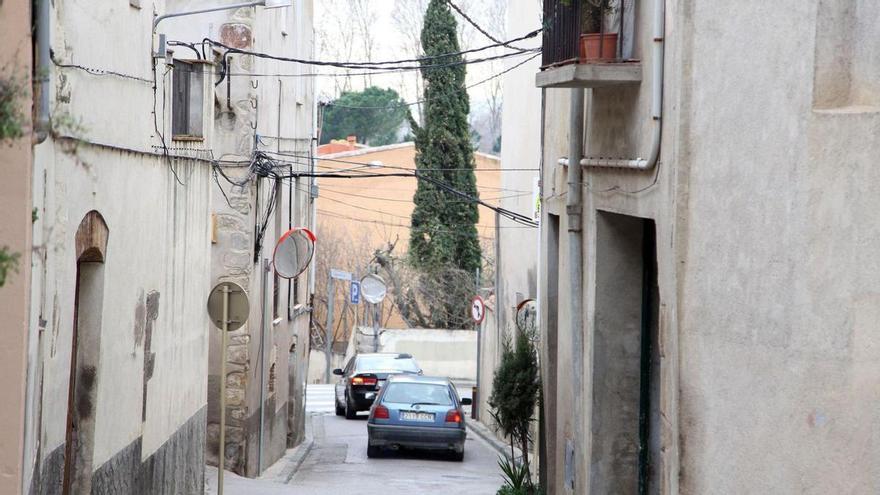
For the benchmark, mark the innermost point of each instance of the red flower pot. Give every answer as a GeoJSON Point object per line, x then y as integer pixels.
{"type": "Point", "coordinates": [596, 47]}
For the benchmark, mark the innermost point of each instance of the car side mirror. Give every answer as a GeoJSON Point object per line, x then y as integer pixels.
{"type": "Point", "coordinates": [421, 372]}
{"type": "Point", "coordinates": [338, 371]}
{"type": "Point", "coordinates": [466, 401]}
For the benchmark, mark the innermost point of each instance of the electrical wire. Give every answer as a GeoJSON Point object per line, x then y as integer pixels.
{"type": "Point", "coordinates": [156, 121]}
{"type": "Point", "coordinates": [474, 24]}
{"type": "Point", "coordinates": [389, 224]}
{"type": "Point", "coordinates": [424, 100]}
{"type": "Point", "coordinates": [367, 64]}
{"type": "Point", "coordinates": [396, 167]}
{"type": "Point", "coordinates": [331, 189]}
{"type": "Point", "coordinates": [99, 72]}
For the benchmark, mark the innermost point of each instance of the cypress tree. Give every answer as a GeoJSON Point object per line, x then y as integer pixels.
{"type": "Point", "coordinates": [444, 232]}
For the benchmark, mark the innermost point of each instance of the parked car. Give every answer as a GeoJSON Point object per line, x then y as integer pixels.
{"type": "Point", "coordinates": [363, 377]}
{"type": "Point", "coordinates": [417, 412]}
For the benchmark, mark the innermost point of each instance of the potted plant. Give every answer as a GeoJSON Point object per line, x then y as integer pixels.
{"type": "Point", "coordinates": [595, 45]}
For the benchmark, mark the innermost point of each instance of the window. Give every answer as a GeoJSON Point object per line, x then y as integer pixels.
{"type": "Point", "coordinates": [418, 393]}
{"type": "Point", "coordinates": [188, 100]}
{"type": "Point", "coordinates": [387, 362]}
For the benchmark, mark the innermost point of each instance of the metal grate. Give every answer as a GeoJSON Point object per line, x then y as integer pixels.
{"type": "Point", "coordinates": [562, 30]}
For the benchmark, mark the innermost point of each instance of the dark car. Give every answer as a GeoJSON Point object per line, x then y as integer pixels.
{"type": "Point", "coordinates": [417, 412]}
{"type": "Point", "coordinates": [363, 377]}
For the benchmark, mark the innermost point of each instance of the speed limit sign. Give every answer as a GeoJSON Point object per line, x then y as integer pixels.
{"type": "Point", "coordinates": [478, 309]}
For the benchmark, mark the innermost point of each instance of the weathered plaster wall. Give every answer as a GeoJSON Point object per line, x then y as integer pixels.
{"type": "Point", "coordinates": [778, 277]}
{"type": "Point", "coordinates": [619, 125]}
{"type": "Point", "coordinates": [765, 243]}
{"type": "Point", "coordinates": [15, 235]}
{"type": "Point", "coordinates": [516, 259]}
{"type": "Point", "coordinates": [448, 353]}
{"type": "Point", "coordinates": [150, 383]}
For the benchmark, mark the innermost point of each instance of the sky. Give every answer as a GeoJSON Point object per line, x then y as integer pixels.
{"type": "Point", "coordinates": [390, 42]}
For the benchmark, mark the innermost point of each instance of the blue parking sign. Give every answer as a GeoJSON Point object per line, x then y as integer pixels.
{"type": "Point", "coordinates": [355, 292]}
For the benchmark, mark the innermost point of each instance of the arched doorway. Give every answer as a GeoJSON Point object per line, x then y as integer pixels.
{"type": "Point", "coordinates": [91, 249]}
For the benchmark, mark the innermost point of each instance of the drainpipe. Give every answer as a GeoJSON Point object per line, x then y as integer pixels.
{"type": "Point", "coordinates": [574, 211]}
{"type": "Point", "coordinates": [656, 104]}
{"type": "Point", "coordinates": [43, 122]}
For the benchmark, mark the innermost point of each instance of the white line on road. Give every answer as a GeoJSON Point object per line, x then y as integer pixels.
{"type": "Point", "coordinates": [320, 398]}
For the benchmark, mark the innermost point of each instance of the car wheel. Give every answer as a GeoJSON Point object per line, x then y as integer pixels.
{"type": "Point", "coordinates": [373, 451]}
{"type": "Point", "coordinates": [350, 411]}
{"type": "Point", "coordinates": [457, 456]}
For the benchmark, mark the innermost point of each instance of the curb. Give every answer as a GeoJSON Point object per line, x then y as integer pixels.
{"type": "Point", "coordinates": [482, 431]}
{"type": "Point", "coordinates": [294, 457]}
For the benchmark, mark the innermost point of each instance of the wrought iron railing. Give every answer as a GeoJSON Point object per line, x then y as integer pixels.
{"type": "Point", "coordinates": [562, 30]}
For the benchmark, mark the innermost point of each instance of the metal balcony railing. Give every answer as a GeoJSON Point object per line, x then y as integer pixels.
{"type": "Point", "coordinates": [562, 30]}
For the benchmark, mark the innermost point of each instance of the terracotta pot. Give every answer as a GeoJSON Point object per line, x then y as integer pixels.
{"type": "Point", "coordinates": [590, 44]}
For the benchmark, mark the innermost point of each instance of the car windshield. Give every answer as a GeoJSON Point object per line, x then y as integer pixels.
{"type": "Point", "coordinates": [387, 362]}
{"type": "Point", "coordinates": [418, 393]}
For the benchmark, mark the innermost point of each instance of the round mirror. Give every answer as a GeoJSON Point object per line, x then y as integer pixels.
{"type": "Point", "coordinates": [293, 252]}
{"type": "Point", "coordinates": [373, 288]}
{"type": "Point", "coordinates": [526, 315]}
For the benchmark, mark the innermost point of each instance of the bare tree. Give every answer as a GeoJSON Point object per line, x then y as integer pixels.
{"type": "Point", "coordinates": [408, 16]}
{"type": "Point", "coordinates": [347, 251]}
{"type": "Point", "coordinates": [362, 15]}
{"type": "Point", "coordinates": [334, 18]}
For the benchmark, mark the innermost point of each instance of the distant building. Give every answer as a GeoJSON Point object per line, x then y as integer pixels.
{"type": "Point", "coordinates": [340, 146]}
{"type": "Point", "coordinates": [362, 215]}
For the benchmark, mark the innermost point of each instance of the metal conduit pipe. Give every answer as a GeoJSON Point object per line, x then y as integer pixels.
{"type": "Point", "coordinates": [43, 123]}
{"type": "Point", "coordinates": [574, 212]}
{"type": "Point", "coordinates": [656, 105]}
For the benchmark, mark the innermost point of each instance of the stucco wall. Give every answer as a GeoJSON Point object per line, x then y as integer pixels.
{"type": "Point", "coordinates": [15, 235]}
{"type": "Point", "coordinates": [516, 277]}
{"type": "Point", "coordinates": [764, 242]}
{"type": "Point", "coordinates": [150, 387]}
{"type": "Point", "coordinates": [448, 353]}
{"type": "Point", "coordinates": [780, 301]}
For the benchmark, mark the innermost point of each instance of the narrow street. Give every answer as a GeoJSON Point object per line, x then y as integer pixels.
{"type": "Point", "coordinates": [337, 462]}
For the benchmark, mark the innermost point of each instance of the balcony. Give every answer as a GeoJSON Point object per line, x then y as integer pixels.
{"type": "Point", "coordinates": [586, 44]}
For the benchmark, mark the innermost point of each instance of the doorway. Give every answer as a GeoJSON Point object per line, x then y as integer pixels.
{"type": "Point", "coordinates": [625, 424]}
{"type": "Point", "coordinates": [91, 243]}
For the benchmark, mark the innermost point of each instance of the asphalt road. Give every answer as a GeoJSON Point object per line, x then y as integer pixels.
{"type": "Point", "coordinates": [338, 463]}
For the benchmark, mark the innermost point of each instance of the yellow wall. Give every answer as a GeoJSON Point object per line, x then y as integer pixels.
{"type": "Point", "coordinates": [381, 207]}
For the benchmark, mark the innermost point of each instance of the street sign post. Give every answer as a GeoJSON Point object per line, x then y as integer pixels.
{"type": "Point", "coordinates": [328, 332]}
{"type": "Point", "coordinates": [374, 290]}
{"type": "Point", "coordinates": [228, 308]}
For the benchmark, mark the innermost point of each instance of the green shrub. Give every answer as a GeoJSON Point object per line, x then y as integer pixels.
{"type": "Point", "coordinates": [11, 118]}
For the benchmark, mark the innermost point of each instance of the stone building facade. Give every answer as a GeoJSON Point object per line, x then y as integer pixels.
{"type": "Point", "coordinates": [267, 361]}
{"type": "Point", "coordinates": [726, 293]}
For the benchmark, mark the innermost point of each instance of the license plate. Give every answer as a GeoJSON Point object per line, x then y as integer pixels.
{"type": "Point", "coordinates": [369, 395]}
{"type": "Point", "coordinates": [416, 416]}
